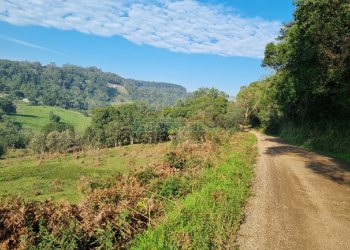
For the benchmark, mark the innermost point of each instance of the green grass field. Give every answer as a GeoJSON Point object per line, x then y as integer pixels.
{"type": "Point", "coordinates": [35, 117]}
{"type": "Point", "coordinates": [59, 177]}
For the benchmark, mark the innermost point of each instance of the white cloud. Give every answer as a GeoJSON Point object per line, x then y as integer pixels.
{"type": "Point", "coordinates": [186, 26]}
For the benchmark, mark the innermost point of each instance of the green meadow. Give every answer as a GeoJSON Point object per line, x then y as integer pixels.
{"type": "Point", "coordinates": [35, 117]}
{"type": "Point", "coordinates": [67, 176]}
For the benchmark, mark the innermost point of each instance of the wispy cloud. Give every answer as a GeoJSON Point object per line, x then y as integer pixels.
{"type": "Point", "coordinates": [31, 45]}
{"type": "Point", "coordinates": [187, 26]}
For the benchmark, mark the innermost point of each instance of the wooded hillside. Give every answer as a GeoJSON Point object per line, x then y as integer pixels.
{"type": "Point", "coordinates": [80, 88]}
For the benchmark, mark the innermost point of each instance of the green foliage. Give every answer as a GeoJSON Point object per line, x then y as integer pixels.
{"type": "Point", "coordinates": [56, 136]}
{"type": "Point", "coordinates": [74, 87]}
{"type": "Point", "coordinates": [312, 59]}
{"type": "Point", "coordinates": [57, 126]}
{"type": "Point", "coordinates": [232, 118]}
{"type": "Point", "coordinates": [208, 217]}
{"type": "Point", "coordinates": [105, 238]}
{"type": "Point", "coordinates": [126, 124]}
{"type": "Point", "coordinates": [307, 99]}
{"type": "Point", "coordinates": [2, 150]}
{"type": "Point", "coordinates": [171, 187]}
{"type": "Point", "coordinates": [196, 132]}
{"type": "Point", "coordinates": [325, 138]}
{"type": "Point", "coordinates": [136, 123]}
{"type": "Point", "coordinates": [60, 141]}
{"type": "Point", "coordinates": [12, 134]}
{"type": "Point", "coordinates": [249, 100]}
{"type": "Point", "coordinates": [54, 118]}
{"type": "Point", "coordinates": [146, 175]}
{"type": "Point", "coordinates": [175, 160]}
{"type": "Point", "coordinates": [7, 105]}
{"type": "Point", "coordinates": [67, 239]}
{"type": "Point", "coordinates": [37, 143]}
{"type": "Point", "coordinates": [206, 106]}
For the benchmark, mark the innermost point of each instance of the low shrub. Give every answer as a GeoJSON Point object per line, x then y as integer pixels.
{"type": "Point", "coordinates": [173, 187]}
{"type": "Point", "coordinates": [146, 175]}
{"type": "Point", "coordinates": [106, 217]}
{"type": "Point", "coordinates": [175, 160]}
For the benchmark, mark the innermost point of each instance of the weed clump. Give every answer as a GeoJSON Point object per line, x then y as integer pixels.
{"type": "Point", "coordinates": [172, 187]}
{"type": "Point", "coordinates": [146, 175]}
{"type": "Point", "coordinates": [175, 160]}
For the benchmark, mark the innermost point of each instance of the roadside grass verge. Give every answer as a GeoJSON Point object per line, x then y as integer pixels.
{"type": "Point", "coordinates": [35, 117]}
{"type": "Point", "coordinates": [209, 216]}
{"type": "Point", "coordinates": [332, 140]}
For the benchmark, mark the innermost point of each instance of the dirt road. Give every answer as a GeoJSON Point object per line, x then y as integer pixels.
{"type": "Point", "coordinates": [301, 201]}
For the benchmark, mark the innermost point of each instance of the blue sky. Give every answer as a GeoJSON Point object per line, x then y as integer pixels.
{"type": "Point", "coordinates": [193, 43]}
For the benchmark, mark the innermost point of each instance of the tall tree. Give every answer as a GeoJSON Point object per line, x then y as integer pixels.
{"type": "Point", "coordinates": [312, 59]}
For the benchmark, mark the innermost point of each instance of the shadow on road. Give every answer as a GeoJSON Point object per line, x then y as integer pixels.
{"type": "Point", "coordinates": [278, 150]}
{"type": "Point", "coordinates": [332, 169]}
{"type": "Point", "coordinates": [334, 172]}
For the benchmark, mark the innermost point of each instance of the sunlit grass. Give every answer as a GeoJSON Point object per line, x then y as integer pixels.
{"type": "Point", "coordinates": [57, 176]}
{"type": "Point", "coordinates": [35, 117]}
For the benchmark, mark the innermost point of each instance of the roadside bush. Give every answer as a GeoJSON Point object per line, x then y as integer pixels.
{"type": "Point", "coordinates": [331, 137]}
{"type": "Point", "coordinates": [146, 175]}
{"type": "Point", "coordinates": [218, 136]}
{"type": "Point", "coordinates": [173, 186]}
{"type": "Point", "coordinates": [175, 160]}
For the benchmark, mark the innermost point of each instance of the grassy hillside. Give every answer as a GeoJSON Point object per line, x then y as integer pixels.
{"type": "Point", "coordinates": [64, 176]}
{"type": "Point", "coordinates": [35, 117]}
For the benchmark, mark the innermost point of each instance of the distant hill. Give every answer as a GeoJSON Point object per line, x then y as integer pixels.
{"type": "Point", "coordinates": [75, 87]}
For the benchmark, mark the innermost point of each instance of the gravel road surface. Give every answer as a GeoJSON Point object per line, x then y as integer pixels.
{"type": "Point", "coordinates": [301, 200]}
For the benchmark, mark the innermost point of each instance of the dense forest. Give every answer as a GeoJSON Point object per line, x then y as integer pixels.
{"type": "Point", "coordinates": [307, 99]}
{"type": "Point", "coordinates": [80, 88]}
